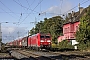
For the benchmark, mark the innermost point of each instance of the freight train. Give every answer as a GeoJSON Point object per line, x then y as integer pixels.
{"type": "Point", "coordinates": [37, 41]}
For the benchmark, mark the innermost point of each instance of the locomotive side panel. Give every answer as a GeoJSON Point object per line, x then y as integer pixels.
{"type": "Point", "coordinates": [33, 41]}
{"type": "Point", "coordinates": [38, 39]}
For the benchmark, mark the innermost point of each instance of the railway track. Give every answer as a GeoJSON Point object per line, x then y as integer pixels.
{"type": "Point", "coordinates": [23, 54]}
{"type": "Point", "coordinates": [36, 55]}
{"type": "Point", "coordinates": [6, 56]}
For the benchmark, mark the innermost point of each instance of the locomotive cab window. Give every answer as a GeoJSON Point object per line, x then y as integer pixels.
{"type": "Point", "coordinates": [41, 36]}
{"type": "Point", "coordinates": [47, 36]}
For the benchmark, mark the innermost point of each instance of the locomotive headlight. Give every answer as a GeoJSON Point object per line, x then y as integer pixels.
{"type": "Point", "coordinates": [48, 40]}
{"type": "Point", "coordinates": [49, 43]}
{"type": "Point", "coordinates": [41, 41]}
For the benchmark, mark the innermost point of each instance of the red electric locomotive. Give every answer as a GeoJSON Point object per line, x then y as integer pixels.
{"type": "Point", "coordinates": [39, 41]}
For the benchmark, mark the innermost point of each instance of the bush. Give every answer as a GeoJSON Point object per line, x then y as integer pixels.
{"type": "Point", "coordinates": [65, 44]}
{"type": "Point", "coordinates": [84, 45]}
{"type": "Point", "coordinates": [54, 45]}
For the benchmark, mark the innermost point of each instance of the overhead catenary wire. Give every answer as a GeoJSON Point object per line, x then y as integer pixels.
{"type": "Point", "coordinates": [20, 17]}
{"type": "Point", "coordinates": [50, 13]}
{"type": "Point", "coordinates": [7, 7]}
{"type": "Point", "coordinates": [7, 13]}
{"type": "Point", "coordinates": [17, 12]}
{"type": "Point", "coordinates": [21, 4]}
{"type": "Point", "coordinates": [76, 6]}
{"type": "Point", "coordinates": [31, 11]}
{"type": "Point", "coordinates": [29, 5]}
{"type": "Point", "coordinates": [24, 6]}
{"type": "Point", "coordinates": [9, 10]}
{"type": "Point", "coordinates": [40, 7]}
{"type": "Point", "coordinates": [83, 2]}
{"type": "Point", "coordinates": [20, 13]}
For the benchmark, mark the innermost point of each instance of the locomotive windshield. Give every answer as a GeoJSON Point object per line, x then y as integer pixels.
{"type": "Point", "coordinates": [47, 36]}
{"type": "Point", "coordinates": [41, 36]}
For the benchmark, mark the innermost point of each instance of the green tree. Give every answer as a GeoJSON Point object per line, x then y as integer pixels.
{"type": "Point", "coordinates": [32, 31]}
{"type": "Point", "coordinates": [65, 44]}
{"type": "Point", "coordinates": [83, 34]}
{"type": "Point", "coordinates": [38, 27]}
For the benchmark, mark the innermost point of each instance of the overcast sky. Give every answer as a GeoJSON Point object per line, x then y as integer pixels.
{"type": "Point", "coordinates": [20, 13]}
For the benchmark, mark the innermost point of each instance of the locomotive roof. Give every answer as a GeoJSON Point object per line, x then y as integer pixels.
{"type": "Point", "coordinates": [41, 34]}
